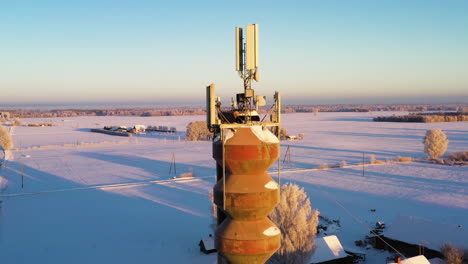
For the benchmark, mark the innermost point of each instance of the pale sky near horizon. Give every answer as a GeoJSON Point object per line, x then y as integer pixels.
{"type": "Point", "coordinates": [167, 51]}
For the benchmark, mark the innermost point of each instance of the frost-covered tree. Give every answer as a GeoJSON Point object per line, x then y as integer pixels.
{"type": "Point", "coordinates": [283, 134]}
{"type": "Point", "coordinates": [435, 143]}
{"type": "Point", "coordinates": [298, 224]}
{"type": "Point", "coordinates": [6, 143]}
{"type": "Point", "coordinates": [197, 130]}
{"type": "Point", "coordinates": [3, 184]}
{"type": "Point", "coordinates": [452, 254]}
{"type": "Point", "coordinates": [214, 212]}
{"type": "Point", "coordinates": [16, 122]}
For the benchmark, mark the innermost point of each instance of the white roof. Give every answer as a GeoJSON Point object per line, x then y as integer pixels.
{"type": "Point", "coordinates": [209, 243]}
{"type": "Point", "coordinates": [437, 261]}
{"type": "Point", "coordinates": [415, 260]}
{"type": "Point", "coordinates": [433, 235]}
{"type": "Point", "coordinates": [327, 248]}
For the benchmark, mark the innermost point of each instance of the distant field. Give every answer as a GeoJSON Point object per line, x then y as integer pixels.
{"type": "Point", "coordinates": [68, 212]}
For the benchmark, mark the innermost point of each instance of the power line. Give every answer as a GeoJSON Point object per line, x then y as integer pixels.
{"type": "Point", "coordinates": [103, 186]}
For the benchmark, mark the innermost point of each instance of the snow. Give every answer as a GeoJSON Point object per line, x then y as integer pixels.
{"type": "Point", "coordinates": [327, 248]}
{"type": "Point", "coordinates": [116, 202]}
{"type": "Point", "coordinates": [415, 260]}
{"type": "Point", "coordinates": [414, 230]}
{"type": "Point", "coordinates": [437, 261]}
{"type": "Point", "coordinates": [272, 231]}
{"type": "Point", "coordinates": [272, 185]}
{"type": "Point", "coordinates": [264, 134]}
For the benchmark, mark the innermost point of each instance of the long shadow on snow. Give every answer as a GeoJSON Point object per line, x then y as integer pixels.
{"type": "Point", "coordinates": [40, 181]}
{"type": "Point", "coordinates": [384, 153]}
{"type": "Point", "coordinates": [362, 202]}
{"type": "Point", "coordinates": [83, 129]}
{"type": "Point", "coordinates": [407, 181]}
{"type": "Point", "coordinates": [438, 166]}
{"type": "Point", "coordinates": [150, 165]}
{"type": "Point", "coordinates": [103, 225]}
{"type": "Point", "coordinates": [34, 179]}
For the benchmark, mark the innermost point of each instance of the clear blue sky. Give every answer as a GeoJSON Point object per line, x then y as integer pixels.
{"type": "Point", "coordinates": [168, 51]}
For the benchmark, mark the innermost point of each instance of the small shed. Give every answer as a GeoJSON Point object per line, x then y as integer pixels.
{"type": "Point", "coordinates": [329, 251]}
{"type": "Point", "coordinates": [414, 260]}
{"type": "Point", "coordinates": [207, 245]}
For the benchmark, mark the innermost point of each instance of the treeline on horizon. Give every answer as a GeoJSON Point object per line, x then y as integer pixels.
{"type": "Point", "coordinates": [425, 117]}
{"type": "Point", "coordinates": [183, 111]}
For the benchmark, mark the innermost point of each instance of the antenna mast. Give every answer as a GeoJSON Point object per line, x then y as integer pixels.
{"type": "Point", "coordinates": [244, 147]}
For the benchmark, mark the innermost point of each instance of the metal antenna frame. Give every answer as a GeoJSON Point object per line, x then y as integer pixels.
{"type": "Point", "coordinates": [247, 76]}
{"type": "Point", "coordinates": [219, 123]}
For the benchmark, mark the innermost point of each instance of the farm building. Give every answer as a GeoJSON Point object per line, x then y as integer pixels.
{"type": "Point", "coordinates": [139, 128]}
{"type": "Point", "coordinates": [162, 129]}
{"type": "Point", "coordinates": [329, 251]}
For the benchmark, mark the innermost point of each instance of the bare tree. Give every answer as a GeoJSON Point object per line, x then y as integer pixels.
{"type": "Point", "coordinates": [6, 143]}
{"type": "Point", "coordinates": [452, 254]}
{"type": "Point", "coordinates": [298, 224]}
{"type": "Point", "coordinates": [435, 143]}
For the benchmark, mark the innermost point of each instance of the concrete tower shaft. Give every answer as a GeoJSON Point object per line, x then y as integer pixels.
{"type": "Point", "coordinates": [249, 194]}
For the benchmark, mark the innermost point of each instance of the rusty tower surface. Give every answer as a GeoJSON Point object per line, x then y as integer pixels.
{"type": "Point", "coordinates": [244, 147]}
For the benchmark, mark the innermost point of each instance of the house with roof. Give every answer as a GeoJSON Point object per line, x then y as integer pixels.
{"type": "Point", "coordinates": [328, 250]}
{"type": "Point", "coordinates": [414, 260]}
{"type": "Point", "coordinates": [417, 236]}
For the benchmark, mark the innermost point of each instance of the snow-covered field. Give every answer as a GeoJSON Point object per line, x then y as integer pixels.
{"type": "Point", "coordinates": [114, 201]}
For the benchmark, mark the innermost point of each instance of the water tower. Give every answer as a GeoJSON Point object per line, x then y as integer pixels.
{"type": "Point", "coordinates": [245, 145]}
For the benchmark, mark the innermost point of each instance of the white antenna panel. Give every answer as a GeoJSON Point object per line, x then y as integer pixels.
{"type": "Point", "coordinates": [251, 47]}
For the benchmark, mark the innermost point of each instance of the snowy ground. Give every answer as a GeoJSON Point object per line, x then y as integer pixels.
{"type": "Point", "coordinates": [112, 202]}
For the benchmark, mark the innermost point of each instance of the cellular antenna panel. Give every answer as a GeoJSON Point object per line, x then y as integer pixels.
{"type": "Point", "coordinates": [251, 44]}
{"type": "Point", "coordinates": [239, 49]}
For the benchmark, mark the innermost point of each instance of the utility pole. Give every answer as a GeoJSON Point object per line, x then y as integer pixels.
{"type": "Point", "coordinates": [22, 175]}
{"type": "Point", "coordinates": [287, 155]}
{"type": "Point", "coordinates": [363, 164]}
{"type": "Point", "coordinates": [173, 164]}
